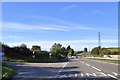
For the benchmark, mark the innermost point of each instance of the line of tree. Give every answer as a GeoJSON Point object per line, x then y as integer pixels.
{"type": "Point", "coordinates": [23, 52]}
{"type": "Point", "coordinates": [98, 51]}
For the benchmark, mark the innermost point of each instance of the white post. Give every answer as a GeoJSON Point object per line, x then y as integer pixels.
{"type": "Point", "coordinates": [50, 55]}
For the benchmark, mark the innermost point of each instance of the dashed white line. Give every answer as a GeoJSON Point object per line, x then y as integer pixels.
{"type": "Point", "coordinates": [87, 64]}
{"type": "Point", "coordinates": [113, 76]}
{"type": "Point", "coordinates": [87, 74]}
{"type": "Point", "coordinates": [115, 73]}
{"type": "Point", "coordinates": [94, 74]}
{"type": "Point", "coordinates": [75, 75]}
{"type": "Point", "coordinates": [82, 74]}
{"type": "Point", "coordinates": [103, 74]}
{"type": "Point", "coordinates": [83, 62]}
{"type": "Point", "coordinates": [96, 68]}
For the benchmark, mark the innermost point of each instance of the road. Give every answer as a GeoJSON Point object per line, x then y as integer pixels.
{"type": "Point", "coordinates": [74, 69]}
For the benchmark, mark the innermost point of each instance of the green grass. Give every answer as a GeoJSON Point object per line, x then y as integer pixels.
{"type": "Point", "coordinates": [105, 60]}
{"type": "Point", "coordinates": [7, 71]}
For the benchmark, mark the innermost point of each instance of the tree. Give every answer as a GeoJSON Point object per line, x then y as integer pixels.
{"type": "Point", "coordinates": [56, 49]}
{"type": "Point", "coordinates": [95, 51]}
{"type": "Point", "coordinates": [36, 48]}
{"type": "Point", "coordinates": [85, 49]}
{"type": "Point", "coordinates": [72, 52]}
{"type": "Point", "coordinates": [68, 49]}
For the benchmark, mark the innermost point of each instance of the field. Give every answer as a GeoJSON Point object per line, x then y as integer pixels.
{"type": "Point", "coordinates": [113, 49]}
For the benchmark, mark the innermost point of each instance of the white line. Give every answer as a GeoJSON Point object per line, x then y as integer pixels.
{"type": "Point", "coordinates": [81, 74]}
{"type": "Point", "coordinates": [113, 76]}
{"type": "Point", "coordinates": [83, 62]}
{"type": "Point", "coordinates": [96, 68]}
{"type": "Point", "coordinates": [115, 73]}
{"type": "Point", "coordinates": [75, 75]}
{"type": "Point", "coordinates": [87, 74]}
{"type": "Point", "coordinates": [94, 74]}
{"type": "Point", "coordinates": [62, 68]}
{"type": "Point", "coordinates": [103, 74]}
{"type": "Point", "coordinates": [87, 64]}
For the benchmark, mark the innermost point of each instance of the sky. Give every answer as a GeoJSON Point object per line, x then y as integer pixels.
{"type": "Point", "coordinates": [69, 23]}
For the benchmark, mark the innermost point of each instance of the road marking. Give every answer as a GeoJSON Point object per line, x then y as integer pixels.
{"type": "Point", "coordinates": [87, 64]}
{"type": "Point", "coordinates": [115, 73]}
{"type": "Point", "coordinates": [87, 74]}
{"type": "Point", "coordinates": [70, 75]}
{"type": "Point", "coordinates": [61, 69]}
{"type": "Point", "coordinates": [113, 76]}
{"type": "Point", "coordinates": [75, 75]}
{"type": "Point", "coordinates": [96, 68]}
{"type": "Point", "coordinates": [94, 74]}
{"type": "Point", "coordinates": [83, 62]}
{"type": "Point", "coordinates": [103, 74]}
{"type": "Point", "coordinates": [81, 74]}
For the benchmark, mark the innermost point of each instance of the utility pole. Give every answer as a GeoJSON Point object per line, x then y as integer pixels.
{"type": "Point", "coordinates": [99, 40]}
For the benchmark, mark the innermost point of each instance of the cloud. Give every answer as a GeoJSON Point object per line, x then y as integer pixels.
{"type": "Point", "coordinates": [75, 44]}
{"type": "Point", "coordinates": [44, 27]}
{"type": "Point", "coordinates": [69, 7]}
{"type": "Point", "coordinates": [21, 26]}
{"type": "Point", "coordinates": [13, 37]}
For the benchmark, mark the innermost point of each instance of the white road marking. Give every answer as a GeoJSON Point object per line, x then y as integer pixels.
{"type": "Point", "coordinates": [96, 68]}
{"type": "Point", "coordinates": [75, 75]}
{"type": "Point", "coordinates": [63, 76]}
{"type": "Point", "coordinates": [82, 74]}
{"type": "Point", "coordinates": [61, 69]}
{"type": "Point", "coordinates": [87, 74]}
{"type": "Point", "coordinates": [115, 73]}
{"type": "Point", "coordinates": [70, 75]}
{"type": "Point", "coordinates": [87, 64]}
{"type": "Point", "coordinates": [113, 76]}
{"type": "Point", "coordinates": [83, 62]}
{"type": "Point", "coordinates": [94, 74]}
{"type": "Point", "coordinates": [103, 74]}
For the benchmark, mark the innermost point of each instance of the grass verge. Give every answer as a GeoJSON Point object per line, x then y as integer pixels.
{"type": "Point", "coordinates": [105, 60]}
{"type": "Point", "coordinates": [7, 72]}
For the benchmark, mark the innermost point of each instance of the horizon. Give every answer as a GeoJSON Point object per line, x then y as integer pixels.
{"type": "Point", "coordinates": [76, 24]}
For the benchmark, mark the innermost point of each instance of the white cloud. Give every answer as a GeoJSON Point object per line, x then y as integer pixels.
{"type": "Point", "coordinates": [69, 7]}
{"type": "Point", "coordinates": [46, 27]}
{"type": "Point", "coordinates": [13, 37]}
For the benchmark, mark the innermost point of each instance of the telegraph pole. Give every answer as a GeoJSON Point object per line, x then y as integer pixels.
{"type": "Point", "coordinates": [99, 40]}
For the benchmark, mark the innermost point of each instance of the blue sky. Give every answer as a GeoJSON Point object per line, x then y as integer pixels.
{"type": "Point", "coordinates": [76, 24]}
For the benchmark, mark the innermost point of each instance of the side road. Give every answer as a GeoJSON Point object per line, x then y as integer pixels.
{"type": "Point", "coordinates": [36, 70]}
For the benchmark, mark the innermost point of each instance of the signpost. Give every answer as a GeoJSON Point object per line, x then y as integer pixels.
{"type": "Point", "coordinates": [50, 55]}
{"type": "Point", "coordinates": [33, 55]}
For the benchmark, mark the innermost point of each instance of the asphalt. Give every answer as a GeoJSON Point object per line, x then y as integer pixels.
{"type": "Point", "coordinates": [74, 69]}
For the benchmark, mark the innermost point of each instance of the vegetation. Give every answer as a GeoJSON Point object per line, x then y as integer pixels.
{"type": "Point", "coordinates": [59, 51]}
{"type": "Point", "coordinates": [23, 54]}
{"type": "Point", "coordinates": [98, 51]}
{"type": "Point", "coordinates": [7, 72]}
{"type": "Point", "coordinates": [36, 48]}
{"type": "Point", "coordinates": [85, 49]}
{"type": "Point", "coordinates": [70, 51]}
